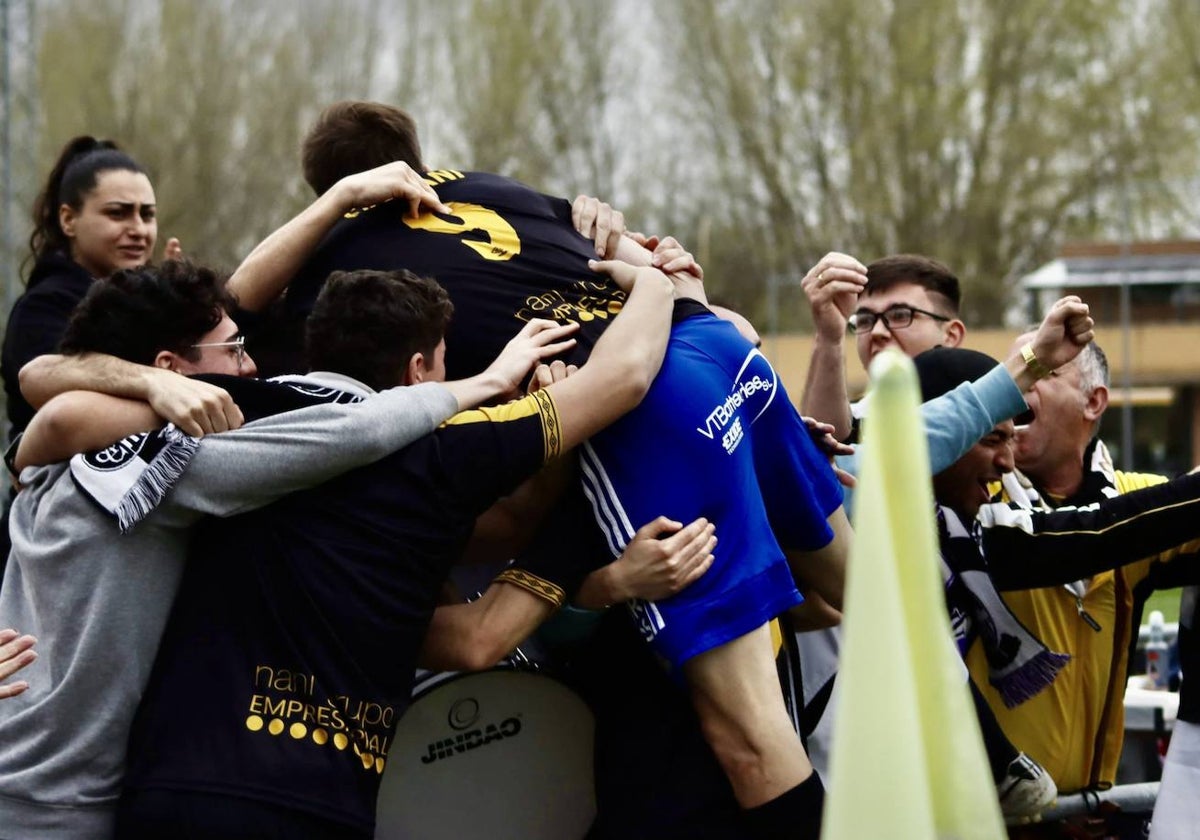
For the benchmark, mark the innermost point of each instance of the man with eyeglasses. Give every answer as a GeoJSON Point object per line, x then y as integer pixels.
{"type": "Point", "coordinates": [235, 347]}
{"type": "Point", "coordinates": [98, 600]}
{"type": "Point", "coordinates": [906, 301]}
{"type": "Point", "coordinates": [1034, 554]}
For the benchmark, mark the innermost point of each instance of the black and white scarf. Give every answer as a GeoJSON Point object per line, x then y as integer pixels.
{"type": "Point", "coordinates": [129, 478]}
{"type": "Point", "coordinates": [1019, 665]}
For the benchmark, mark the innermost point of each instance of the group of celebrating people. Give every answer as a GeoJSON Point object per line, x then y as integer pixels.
{"type": "Point", "coordinates": [223, 615]}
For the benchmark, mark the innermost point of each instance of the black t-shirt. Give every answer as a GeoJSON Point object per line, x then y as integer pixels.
{"type": "Point", "coordinates": [508, 254]}
{"type": "Point", "coordinates": [291, 650]}
{"type": "Point", "coordinates": [37, 323]}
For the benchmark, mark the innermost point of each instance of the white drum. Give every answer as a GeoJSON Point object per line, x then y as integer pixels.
{"type": "Point", "coordinates": [499, 754]}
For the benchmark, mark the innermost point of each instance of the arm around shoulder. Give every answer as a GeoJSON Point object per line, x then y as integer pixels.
{"type": "Point", "coordinates": [80, 421]}
{"type": "Point", "coordinates": [250, 467]}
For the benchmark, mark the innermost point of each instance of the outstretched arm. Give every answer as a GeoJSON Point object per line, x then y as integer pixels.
{"type": "Point", "coordinates": [955, 421]}
{"type": "Point", "coordinates": [265, 273]}
{"type": "Point", "coordinates": [539, 339]}
{"type": "Point", "coordinates": [245, 469]}
{"type": "Point", "coordinates": [81, 421]}
{"type": "Point", "coordinates": [1028, 549]}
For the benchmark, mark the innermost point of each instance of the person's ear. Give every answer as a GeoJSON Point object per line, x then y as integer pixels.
{"type": "Point", "coordinates": [955, 332]}
{"type": "Point", "coordinates": [66, 220]}
{"type": "Point", "coordinates": [165, 360]}
{"type": "Point", "coordinates": [415, 370]}
{"type": "Point", "coordinates": [1096, 404]}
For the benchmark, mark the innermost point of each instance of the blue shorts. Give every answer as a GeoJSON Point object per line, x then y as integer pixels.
{"type": "Point", "coordinates": [716, 436]}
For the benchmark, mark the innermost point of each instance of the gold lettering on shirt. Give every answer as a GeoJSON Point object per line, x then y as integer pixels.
{"type": "Point", "coordinates": [440, 176]}
{"type": "Point", "coordinates": [288, 700]}
{"type": "Point", "coordinates": [588, 301]}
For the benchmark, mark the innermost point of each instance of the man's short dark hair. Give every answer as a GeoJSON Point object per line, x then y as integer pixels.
{"type": "Point", "coordinates": [352, 136]}
{"type": "Point", "coordinates": [368, 324]}
{"type": "Point", "coordinates": [928, 273]}
{"type": "Point", "coordinates": [138, 312]}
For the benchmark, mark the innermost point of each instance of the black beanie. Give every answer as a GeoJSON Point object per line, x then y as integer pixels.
{"type": "Point", "coordinates": [943, 369]}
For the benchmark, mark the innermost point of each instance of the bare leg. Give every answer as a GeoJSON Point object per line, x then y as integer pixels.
{"type": "Point", "coordinates": [735, 689]}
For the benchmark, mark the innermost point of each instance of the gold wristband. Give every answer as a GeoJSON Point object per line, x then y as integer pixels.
{"type": "Point", "coordinates": [1034, 364]}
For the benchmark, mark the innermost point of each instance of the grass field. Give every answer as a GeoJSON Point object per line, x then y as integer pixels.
{"type": "Point", "coordinates": [1167, 601]}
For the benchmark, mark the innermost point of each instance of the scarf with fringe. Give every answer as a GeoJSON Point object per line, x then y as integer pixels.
{"type": "Point", "coordinates": [1019, 665]}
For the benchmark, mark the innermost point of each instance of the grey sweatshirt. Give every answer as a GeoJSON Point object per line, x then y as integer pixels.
{"type": "Point", "coordinates": [98, 602]}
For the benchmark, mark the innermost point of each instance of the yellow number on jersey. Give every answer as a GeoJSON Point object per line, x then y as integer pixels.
{"type": "Point", "coordinates": [502, 242]}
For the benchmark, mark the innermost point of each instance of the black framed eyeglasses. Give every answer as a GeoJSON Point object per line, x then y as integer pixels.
{"type": "Point", "coordinates": [238, 344]}
{"type": "Point", "coordinates": [894, 318]}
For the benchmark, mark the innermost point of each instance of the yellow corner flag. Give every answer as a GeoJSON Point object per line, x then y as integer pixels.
{"type": "Point", "coordinates": [908, 759]}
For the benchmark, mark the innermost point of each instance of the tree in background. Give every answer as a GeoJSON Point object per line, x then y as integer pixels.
{"type": "Point", "coordinates": [762, 132]}
{"type": "Point", "coordinates": [212, 98]}
{"type": "Point", "coordinates": [978, 132]}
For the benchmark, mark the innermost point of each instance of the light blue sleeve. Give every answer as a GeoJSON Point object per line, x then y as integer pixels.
{"type": "Point", "coordinates": [955, 421]}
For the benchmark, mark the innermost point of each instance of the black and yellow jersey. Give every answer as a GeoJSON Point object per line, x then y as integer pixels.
{"type": "Point", "coordinates": [506, 255]}
{"type": "Point", "coordinates": [305, 619]}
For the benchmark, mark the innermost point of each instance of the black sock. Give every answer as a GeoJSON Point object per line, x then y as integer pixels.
{"type": "Point", "coordinates": [793, 815]}
{"type": "Point", "coordinates": [1000, 750]}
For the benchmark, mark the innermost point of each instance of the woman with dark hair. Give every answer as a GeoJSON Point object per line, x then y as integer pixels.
{"type": "Point", "coordinates": [95, 215]}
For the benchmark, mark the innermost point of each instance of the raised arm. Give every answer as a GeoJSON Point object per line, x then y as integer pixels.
{"type": "Point", "coordinates": [598, 221]}
{"type": "Point", "coordinates": [624, 361]}
{"type": "Point", "coordinates": [832, 287]}
{"type": "Point", "coordinates": [265, 273]}
{"type": "Point", "coordinates": [955, 421]}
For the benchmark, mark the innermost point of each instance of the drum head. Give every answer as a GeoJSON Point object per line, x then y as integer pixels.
{"type": "Point", "coordinates": [496, 755]}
